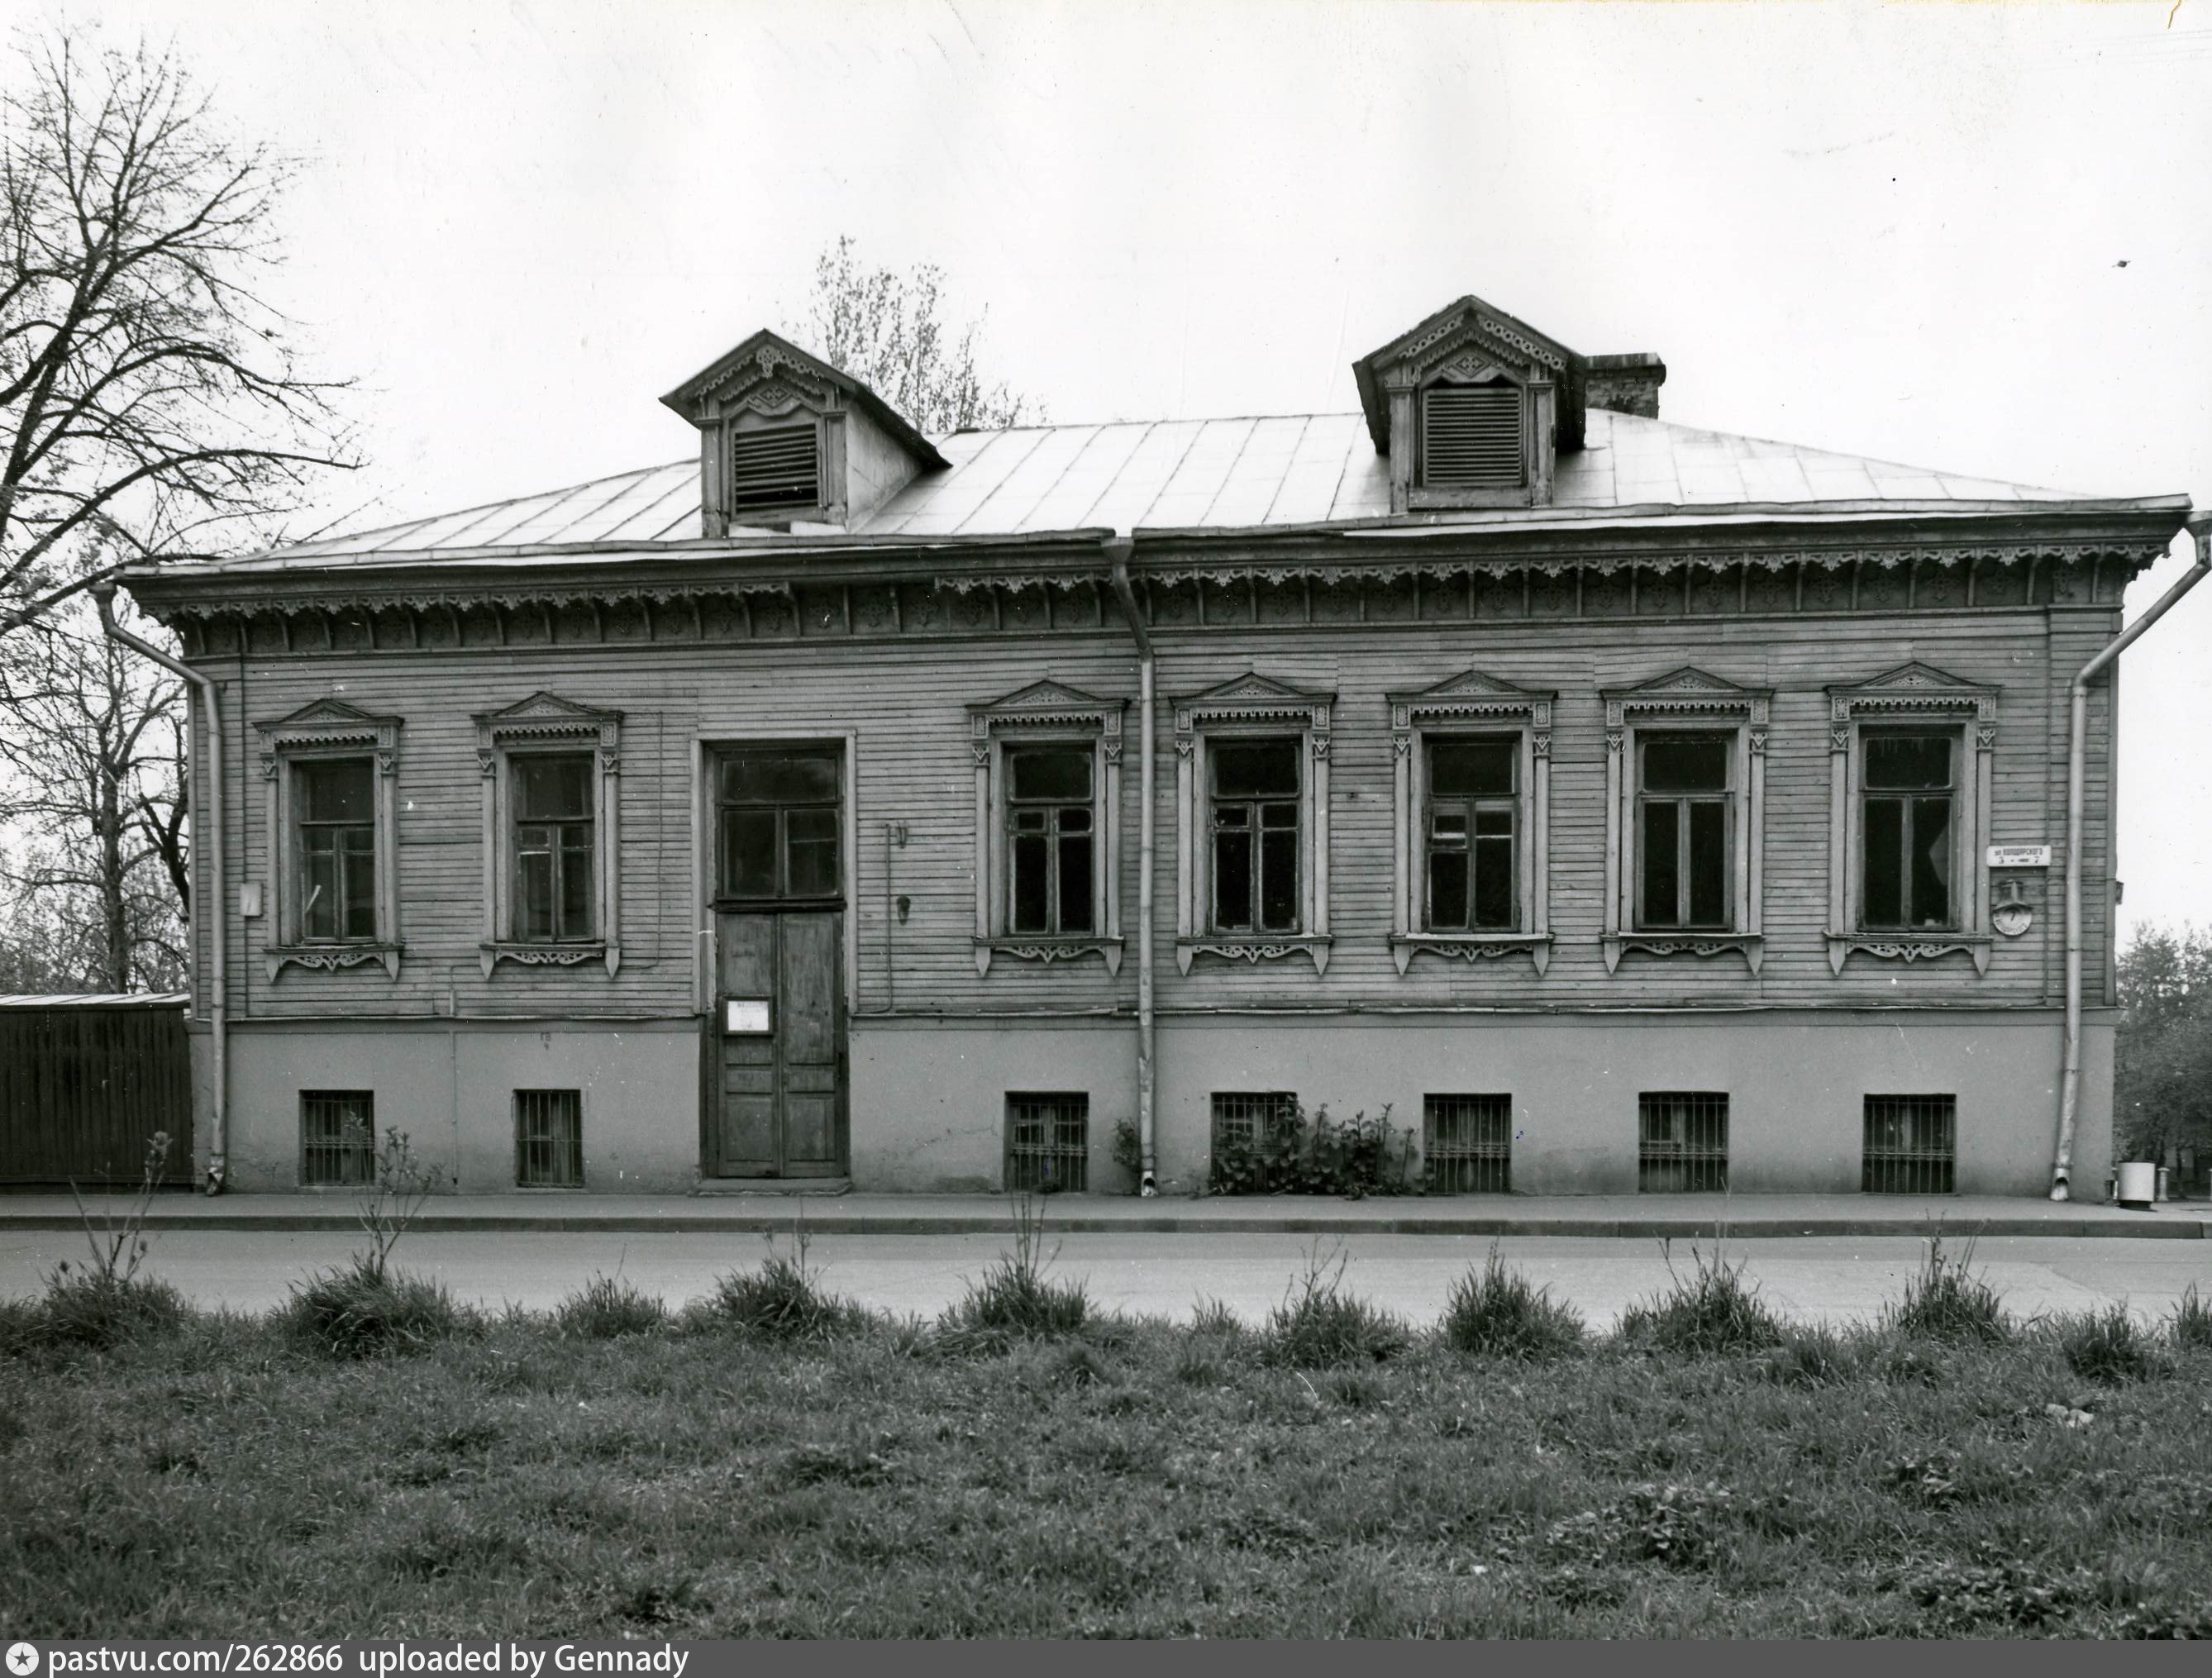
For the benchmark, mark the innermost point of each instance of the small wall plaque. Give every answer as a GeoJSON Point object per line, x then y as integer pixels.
{"type": "Point", "coordinates": [2020, 856]}
{"type": "Point", "coordinates": [745, 1015]}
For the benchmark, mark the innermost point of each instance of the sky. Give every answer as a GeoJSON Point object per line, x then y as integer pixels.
{"type": "Point", "coordinates": [1971, 237]}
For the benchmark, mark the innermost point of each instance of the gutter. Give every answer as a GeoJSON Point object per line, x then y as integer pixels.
{"type": "Point", "coordinates": [103, 593]}
{"type": "Point", "coordinates": [2069, 1080]}
{"type": "Point", "coordinates": [1117, 549]}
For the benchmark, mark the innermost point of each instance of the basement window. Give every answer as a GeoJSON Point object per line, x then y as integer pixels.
{"type": "Point", "coordinates": [549, 1139]}
{"type": "Point", "coordinates": [1466, 1144]}
{"type": "Point", "coordinates": [1048, 1143]}
{"type": "Point", "coordinates": [1682, 1142]}
{"type": "Point", "coordinates": [780, 466]}
{"type": "Point", "coordinates": [338, 1138]}
{"type": "Point", "coordinates": [1912, 1145]}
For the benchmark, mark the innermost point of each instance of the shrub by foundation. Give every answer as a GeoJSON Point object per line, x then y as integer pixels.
{"type": "Point", "coordinates": [1947, 1301]}
{"type": "Point", "coordinates": [1711, 1310]}
{"type": "Point", "coordinates": [1294, 1154]}
{"type": "Point", "coordinates": [1499, 1313]}
{"type": "Point", "coordinates": [607, 1308]}
{"type": "Point", "coordinates": [357, 1311]}
{"type": "Point", "coordinates": [1319, 1326]}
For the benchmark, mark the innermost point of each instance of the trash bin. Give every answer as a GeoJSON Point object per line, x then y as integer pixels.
{"type": "Point", "coordinates": [2138, 1184]}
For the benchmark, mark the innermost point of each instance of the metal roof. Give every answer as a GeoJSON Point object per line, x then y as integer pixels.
{"type": "Point", "coordinates": [133, 999]}
{"type": "Point", "coordinates": [1219, 474]}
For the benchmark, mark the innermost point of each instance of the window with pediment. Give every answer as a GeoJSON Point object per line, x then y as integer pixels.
{"type": "Point", "coordinates": [1471, 816]}
{"type": "Point", "coordinates": [330, 770]}
{"type": "Point", "coordinates": [1911, 784]}
{"type": "Point", "coordinates": [1685, 809]}
{"type": "Point", "coordinates": [1252, 822]}
{"type": "Point", "coordinates": [551, 775]}
{"type": "Point", "coordinates": [1048, 767]}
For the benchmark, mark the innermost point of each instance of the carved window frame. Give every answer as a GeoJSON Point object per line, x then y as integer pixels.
{"type": "Point", "coordinates": [545, 725]}
{"type": "Point", "coordinates": [1686, 700]}
{"type": "Point", "coordinates": [1470, 703]}
{"type": "Point", "coordinates": [1917, 698]}
{"type": "Point", "coordinates": [328, 731]}
{"type": "Point", "coordinates": [1046, 712]}
{"type": "Point", "coordinates": [1252, 706]}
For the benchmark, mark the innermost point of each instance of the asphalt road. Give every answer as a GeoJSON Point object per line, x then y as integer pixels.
{"type": "Point", "coordinates": [1832, 1279]}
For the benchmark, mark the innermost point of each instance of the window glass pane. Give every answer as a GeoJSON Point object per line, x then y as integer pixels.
{"type": "Point", "coordinates": [811, 839]}
{"type": "Point", "coordinates": [1032, 821]}
{"type": "Point", "coordinates": [319, 913]}
{"type": "Point", "coordinates": [1884, 904]}
{"type": "Point", "coordinates": [340, 792]}
{"type": "Point", "coordinates": [1931, 862]}
{"type": "Point", "coordinates": [779, 778]}
{"type": "Point", "coordinates": [1494, 821]}
{"type": "Point", "coordinates": [1278, 879]}
{"type": "Point", "coordinates": [749, 853]}
{"type": "Point", "coordinates": [1233, 877]}
{"type": "Point", "coordinates": [1254, 768]}
{"type": "Point", "coordinates": [1075, 883]}
{"type": "Point", "coordinates": [1686, 763]}
{"type": "Point", "coordinates": [533, 894]}
{"type": "Point", "coordinates": [1075, 820]}
{"type": "Point", "coordinates": [1907, 762]}
{"type": "Point", "coordinates": [1032, 883]}
{"type": "Point", "coordinates": [1659, 843]}
{"type": "Point", "coordinates": [1061, 773]}
{"type": "Point", "coordinates": [360, 884]}
{"type": "Point", "coordinates": [1709, 882]}
{"type": "Point", "coordinates": [577, 894]}
{"type": "Point", "coordinates": [1278, 815]}
{"type": "Point", "coordinates": [1448, 826]}
{"type": "Point", "coordinates": [1474, 769]}
{"type": "Point", "coordinates": [1448, 890]}
{"type": "Point", "coordinates": [551, 788]}
{"type": "Point", "coordinates": [1493, 884]}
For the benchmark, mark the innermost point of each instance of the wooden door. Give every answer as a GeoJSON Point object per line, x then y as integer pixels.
{"type": "Point", "coordinates": [781, 1022]}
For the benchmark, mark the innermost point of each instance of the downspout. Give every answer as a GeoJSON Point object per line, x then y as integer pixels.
{"type": "Point", "coordinates": [2070, 1077]}
{"type": "Point", "coordinates": [1117, 550]}
{"type": "Point", "coordinates": [103, 593]}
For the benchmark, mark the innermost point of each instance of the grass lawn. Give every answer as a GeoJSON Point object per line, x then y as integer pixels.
{"type": "Point", "coordinates": [763, 1467]}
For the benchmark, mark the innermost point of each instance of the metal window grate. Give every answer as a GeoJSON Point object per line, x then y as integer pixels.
{"type": "Point", "coordinates": [337, 1137]}
{"type": "Point", "coordinates": [1048, 1143]}
{"type": "Point", "coordinates": [1471, 437]}
{"type": "Point", "coordinates": [1466, 1144]}
{"type": "Point", "coordinates": [1247, 1119]}
{"type": "Point", "coordinates": [772, 468]}
{"type": "Point", "coordinates": [549, 1139]}
{"type": "Point", "coordinates": [1681, 1142]}
{"type": "Point", "coordinates": [1912, 1145]}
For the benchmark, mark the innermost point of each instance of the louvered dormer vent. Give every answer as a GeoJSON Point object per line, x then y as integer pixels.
{"type": "Point", "coordinates": [775, 468]}
{"type": "Point", "coordinates": [1470, 437]}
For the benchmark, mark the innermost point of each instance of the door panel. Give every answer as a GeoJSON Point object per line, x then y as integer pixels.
{"type": "Point", "coordinates": [781, 1092]}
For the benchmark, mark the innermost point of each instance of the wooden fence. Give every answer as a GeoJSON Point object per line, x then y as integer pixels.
{"type": "Point", "coordinates": [85, 1081]}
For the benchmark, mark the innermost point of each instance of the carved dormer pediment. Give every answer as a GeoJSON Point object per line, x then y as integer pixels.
{"type": "Point", "coordinates": [785, 436]}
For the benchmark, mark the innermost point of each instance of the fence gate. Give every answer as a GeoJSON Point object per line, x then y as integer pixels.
{"type": "Point", "coordinates": [85, 1081]}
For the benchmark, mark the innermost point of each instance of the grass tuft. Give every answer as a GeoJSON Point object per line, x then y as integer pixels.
{"type": "Point", "coordinates": [91, 1310]}
{"type": "Point", "coordinates": [608, 1308]}
{"type": "Point", "coordinates": [1499, 1313]}
{"type": "Point", "coordinates": [357, 1311]}
{"type": "Point", "coordinates": [1014, 1299]}
{"type": "Point", "coordinates": [1808, 1355]}
{"type": "Point", "coordinates": [2105, 1346]}
{"type": "Point", "coordinates": [1946, 1300]}
{"type": "Point", "coordinates": [1319, 1326]}
{"type": "Point", "coordinates": [2191, 1327]}
{"type": "Point", "coordinates": [783, 1300]}
{"type": "Point", "coordinates": [1711, 1310]}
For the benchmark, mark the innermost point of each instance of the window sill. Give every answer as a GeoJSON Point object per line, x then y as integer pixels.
{"type": "Point", "coordinates": [550, 955]}
{"type": "Point", "coordinates": [1701, 944]}
{"type": "Point", "coordinates": [330, 958]}
{"type": "Point", "coordinates": [1907, 946]}
{"type": "Point", "coordinates": [1471, 946]}
{"type": "Point", "coordinates": [1048, 949]}
{"type": "Point", "coordinates": [1254, 948]}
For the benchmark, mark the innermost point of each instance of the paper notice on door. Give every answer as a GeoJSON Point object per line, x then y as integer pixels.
{"type": "Point", "coordinates": [742, 1014]}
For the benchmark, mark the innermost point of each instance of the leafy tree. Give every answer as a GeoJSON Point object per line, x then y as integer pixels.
{"type": "Point", "coordinates": [149, 402]}
{"type": "Point", "coordinates": [2162, 1083]}
{"type": "Point", "coordinates": [884, 329]}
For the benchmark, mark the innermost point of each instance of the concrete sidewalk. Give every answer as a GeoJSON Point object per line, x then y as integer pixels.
{"type": "Point", "coordinates": [1744, 1217]}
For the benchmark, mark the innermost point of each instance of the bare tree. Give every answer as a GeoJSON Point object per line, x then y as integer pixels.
{"type": "Point", "coordinates": [91, 771]}
{"type": "Point", "coordinates": [149, 403]}
{"type": "Point", "coordinates": [883, 327]}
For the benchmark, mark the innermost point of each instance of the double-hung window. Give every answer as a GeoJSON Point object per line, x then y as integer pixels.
{"type": "Point", "coordinates": [332, 899]}
{"type": "Point", "coordinates": [1252, 822]}
{"type": "Point", "coordinates": [777, 823]}
{"type": "Point", "coordinates": [551, 773]}
{"type": "Point", "coordinates": [1048, 767]}
{"type": "Point", "coordinates": [1471, 798]}
{"type": "Point", "coordinates": [1908, 786]}
{"type": "Point", "coordinates": [1684, 811]}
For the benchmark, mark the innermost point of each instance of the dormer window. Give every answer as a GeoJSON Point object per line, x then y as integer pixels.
{"type": "Point", "coordinates": [1470, 437]}
{"type": "Point", "coordinates": [774, 466]}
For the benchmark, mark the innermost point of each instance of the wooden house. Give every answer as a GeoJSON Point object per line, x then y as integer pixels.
{"type": "Point", "coordinates": [1622, 806]}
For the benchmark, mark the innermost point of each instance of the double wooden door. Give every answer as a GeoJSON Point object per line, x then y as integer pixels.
{"type": "Point", "coordinates": [780, 1106]}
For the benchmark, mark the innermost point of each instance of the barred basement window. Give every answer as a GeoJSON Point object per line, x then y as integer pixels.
{"type": "Point", "coordinates": [337, 1137]}
{"type": "Point", "coordinates": [549, 1139]}
{"type": "Point", "coordinates": [1048, 1143]}
{"type": "Point", "coordinates": [1682, 1142]}
{"type": "Point", "coordinates": [1466, 1144]}
{"type": "Point", "coordinates": [777, 467]}
{"type": "Point", "coordinates": [1912, 1145]}
{"type": "Point", "coordinates": [1247, 1120]}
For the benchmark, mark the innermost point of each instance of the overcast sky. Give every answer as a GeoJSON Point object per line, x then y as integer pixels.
{"type": "Point", "coordinates": [1977, 238]}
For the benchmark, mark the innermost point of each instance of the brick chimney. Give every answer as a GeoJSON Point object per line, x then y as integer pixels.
{"type": "Point", "coordinates": [1627, 383]}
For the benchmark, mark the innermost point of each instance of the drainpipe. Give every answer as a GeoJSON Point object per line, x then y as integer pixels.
{"type": "Point", "coordinates": [1117, 550]}
{"type": "Point", "coordinates": [2069, 1080]}
{"type": "Point", "coordinates": [103, 593]}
